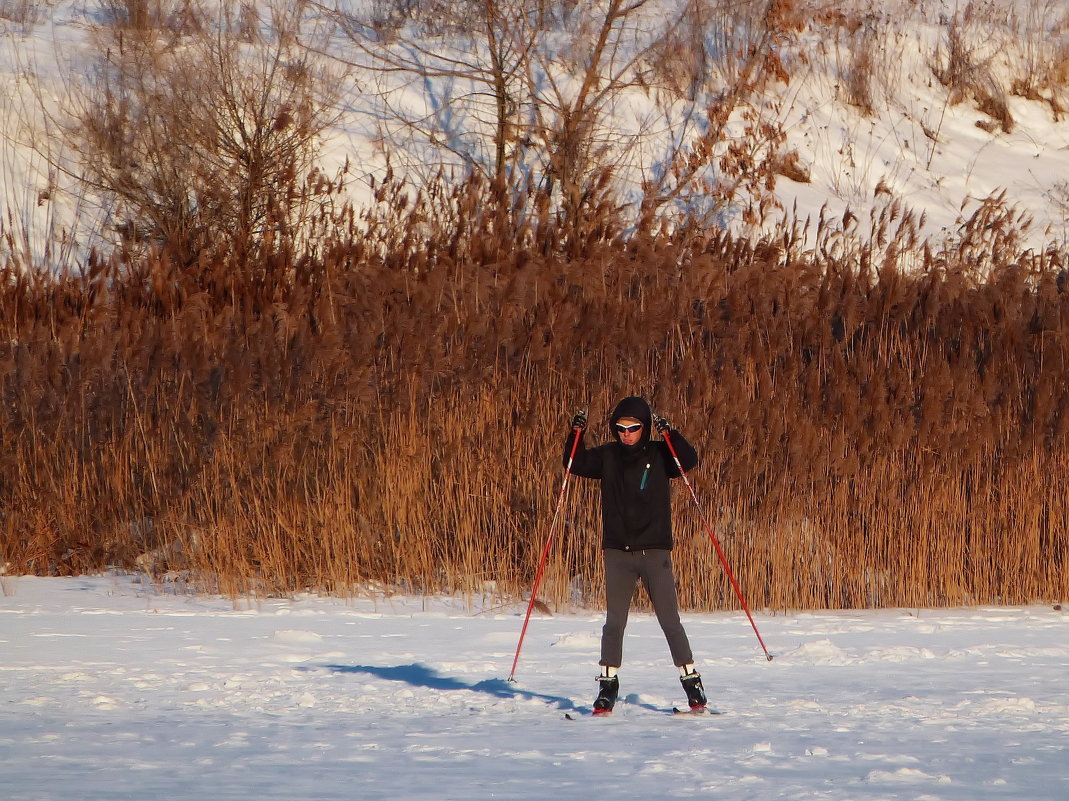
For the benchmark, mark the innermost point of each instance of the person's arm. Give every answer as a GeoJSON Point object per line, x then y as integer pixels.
{"type": "Point", "coordinates": [587, 463]}
{"type": "Point", "coordinates": [688, 457]}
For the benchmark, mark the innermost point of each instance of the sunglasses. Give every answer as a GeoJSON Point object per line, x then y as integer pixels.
{"type": "Point", "coordinates": [630, 429]}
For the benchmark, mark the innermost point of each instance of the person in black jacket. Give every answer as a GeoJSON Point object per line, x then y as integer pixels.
{"type": "Point", "coordinates": [636, 515]}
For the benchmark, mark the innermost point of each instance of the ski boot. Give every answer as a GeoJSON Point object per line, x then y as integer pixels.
{"type": "Point", "coordinates": [606, 700]}
{"type": "Point", "coordinates": [692, 686]}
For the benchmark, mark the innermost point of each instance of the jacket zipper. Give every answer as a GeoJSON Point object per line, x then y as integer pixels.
{"type": "Point", "coordinates": [645, 473]}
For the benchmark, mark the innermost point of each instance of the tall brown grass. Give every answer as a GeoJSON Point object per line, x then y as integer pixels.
{"type": "Point", "coordinates": [881, 422]}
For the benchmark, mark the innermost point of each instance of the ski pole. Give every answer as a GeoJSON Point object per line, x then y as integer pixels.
{"type": "Point", "coordinates": [716, 544]}
{"type": "Point", "coordinates": [545, 551]}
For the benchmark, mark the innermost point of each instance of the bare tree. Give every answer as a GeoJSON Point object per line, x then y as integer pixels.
{"type": "Point", "coordinates": [736, 49]}
{"type": "Point", "coordinates": [706, 146]}
{"type": "Point", "coordinates": [540, 95]}
{"type": "Point", "coordinates": [206, 134]}
{"type": "Point", "coordinates": [522, 91]}
{"type": "Point", "coordinates": [465, 58]}
{"type": "Point", "coordinates": [575, 87]}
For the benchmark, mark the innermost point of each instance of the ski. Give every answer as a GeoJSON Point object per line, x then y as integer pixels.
{"type": "Point", "coordinates": [700, 710]}
{"type": "Point", "coordinates": [584, 714]}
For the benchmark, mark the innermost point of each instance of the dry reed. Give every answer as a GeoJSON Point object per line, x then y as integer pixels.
{"type": "Point", "coordinates": [391, 413]}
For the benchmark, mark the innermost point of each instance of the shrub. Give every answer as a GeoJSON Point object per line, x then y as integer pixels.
{"type": "Point", "coordinates": [965, 65]}
{"type": "Point", "coordinates": [197, 136]}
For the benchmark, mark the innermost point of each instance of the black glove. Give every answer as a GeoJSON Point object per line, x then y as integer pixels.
{"type": "Point", "coordinates": [579, 421]}
{"type": "Point", "coordinates": [661, 424]}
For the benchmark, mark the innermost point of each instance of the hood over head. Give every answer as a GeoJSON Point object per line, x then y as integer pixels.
{"type": "Point", "coordinates": [632, 406]}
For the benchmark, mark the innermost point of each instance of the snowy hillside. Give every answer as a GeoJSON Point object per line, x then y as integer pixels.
{"type": "Point", "coordinates": [865, 119]}
{"type": "Point", "coordinates": [916, 142]}
{"type": "Point", "coordinates": [115, 691]}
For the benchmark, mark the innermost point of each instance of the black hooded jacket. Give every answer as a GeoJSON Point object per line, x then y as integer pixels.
{"type": "Point", "coordinates": [636, 512]}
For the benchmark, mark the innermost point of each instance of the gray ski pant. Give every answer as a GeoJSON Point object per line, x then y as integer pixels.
{"type": "Point", "coordinates": [623, 570]}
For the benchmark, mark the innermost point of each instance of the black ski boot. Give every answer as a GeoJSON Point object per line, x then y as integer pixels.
{"type": "Point", "coordinates": [692, 686]}
{"type": "Point", "coordinates": [606, 700]}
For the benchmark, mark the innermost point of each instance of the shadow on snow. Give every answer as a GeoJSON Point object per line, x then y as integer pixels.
{"type": "Point", "coordinates": [427, 678]}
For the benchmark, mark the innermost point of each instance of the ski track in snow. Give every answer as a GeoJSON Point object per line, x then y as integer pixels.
{"type": "Point", "coordinates": [113, 690]}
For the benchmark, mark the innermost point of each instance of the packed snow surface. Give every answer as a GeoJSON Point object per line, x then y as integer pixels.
{"type": "Point", "coordinates": [116, 689]}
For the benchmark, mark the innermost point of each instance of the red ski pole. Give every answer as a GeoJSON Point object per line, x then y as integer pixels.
{"type": "Point", "coordinates": [545, 551]}
{"type": "Point", "coordinates": [716, 544]}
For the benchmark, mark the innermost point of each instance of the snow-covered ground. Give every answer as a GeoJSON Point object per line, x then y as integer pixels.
{"type": "Point", "coordinates": [115, 690]}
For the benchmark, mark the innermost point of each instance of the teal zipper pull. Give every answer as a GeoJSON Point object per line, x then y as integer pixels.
{"type": "Point", "coordinates": [645, 473]}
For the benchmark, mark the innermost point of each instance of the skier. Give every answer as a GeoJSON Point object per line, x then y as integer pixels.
{"type": "Point", "coordinates": [634, 472]}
